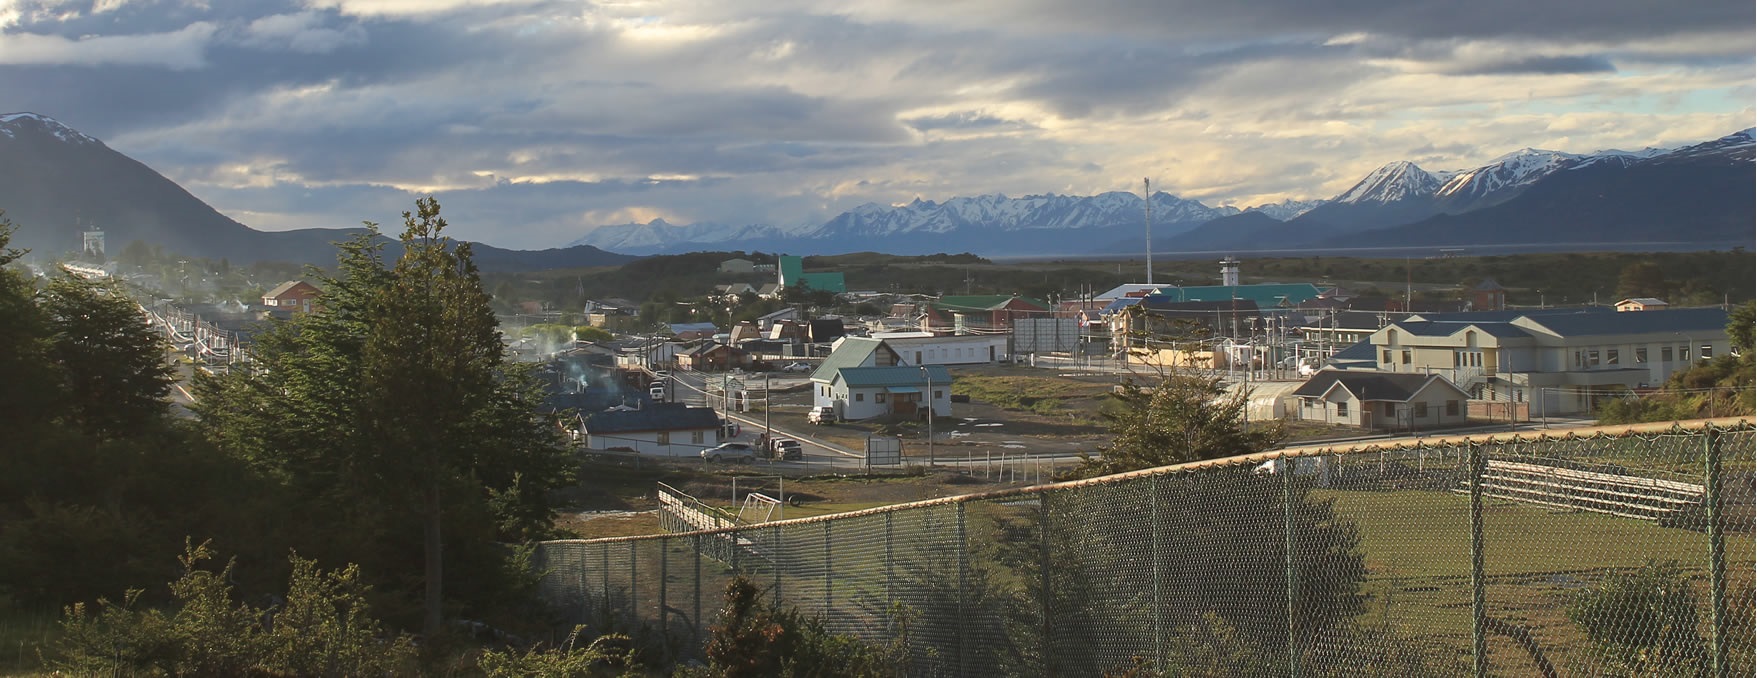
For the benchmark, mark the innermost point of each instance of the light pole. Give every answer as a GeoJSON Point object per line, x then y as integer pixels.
{"type": "Point", "coordinates": [925, 373]}
{"type": "Point", "coordinates": [766, 416]}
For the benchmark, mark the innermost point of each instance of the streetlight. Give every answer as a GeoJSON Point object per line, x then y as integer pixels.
{"type": "Point", "coordinates": [925, 373]}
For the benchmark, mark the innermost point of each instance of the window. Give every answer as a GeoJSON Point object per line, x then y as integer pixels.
{"type": "Point", "coordinates": [1421, 410]}
{"type": "Point", "coordinates": [1665, 354]}
{"type": "Point", "coordinates": [664, 437]}
{"type": "Point", "coordinates": [1451, 408]}
{"type": "Point", "coordinates": [878, 397]}
{"type": "Point", "coordinates": [860, 397]}
{"type": "Point", "coordinates": [1610, 356]}
{"type": "Point", "coordinates": [1684, 353]}
{"type": "Point", "coordinates": [695, 437]}
{"type": "Point", "coordinates": [1641, 355]}
{"type": "Point", "coordinates": [1707, 351]}
{"type": "Point", "coordinates": [1579, 359]}
{"type": "Point", "coordinates": [1406, 355]}
{"type": "Point", "coordinates": [1387, 356]}
{"type": "Point", "coordinates": [936, 395]}
{"type": "Point", "coordinates": [1342, 409]}
{"type": "Point", "coordinates": [1390, 409]}
{"type": "Point", "coordinates": [1592, 357]}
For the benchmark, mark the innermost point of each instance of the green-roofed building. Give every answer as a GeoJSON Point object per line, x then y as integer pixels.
{"type": "Point", "coordinates": [995, 311]}
{"type": "Point", "coordinates": [899, 391]}
{"type": "Point", "coordinates": [792, 273]}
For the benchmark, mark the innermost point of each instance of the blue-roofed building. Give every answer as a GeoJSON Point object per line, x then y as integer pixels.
{"type": "Point", "coordinates": [664, 429]}
{"type": "Point", "coordinates": [1551, 361]}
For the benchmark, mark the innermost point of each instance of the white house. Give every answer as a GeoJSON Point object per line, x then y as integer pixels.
{"type": "Point", "coordinates": [663, 429]}
{"type": "Point", "coordinates": [1379, 400]}
{"type": "Point", "coordinates": [925, 348]}
{"type": "Point", "coordinates": [899, 391]}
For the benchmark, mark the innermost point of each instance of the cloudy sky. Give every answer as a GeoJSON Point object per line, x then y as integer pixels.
{"type": "Point", "coordinates": [536, 120]}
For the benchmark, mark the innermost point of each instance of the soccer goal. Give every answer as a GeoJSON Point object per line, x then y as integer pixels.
{"type": "Point", "coordinates": [758, 508]}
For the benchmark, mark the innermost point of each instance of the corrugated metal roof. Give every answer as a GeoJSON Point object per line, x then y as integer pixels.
{"type": "Point", "coordinates": [1702, 320]}
{"type": "Point", "coordinates": [902, 375]}
{"type": "Point", "coordinates": [1397, 386]}
{"type": "Point", "coordinates": [653, 417]}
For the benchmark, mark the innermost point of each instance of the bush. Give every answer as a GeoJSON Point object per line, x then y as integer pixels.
{"type": "Point", "coordinates": [1645, 620]}
{"type": "Point", "coordinates": [761, 641]}
{"type": "Point", "coordinates": [605, 656]}
{"type": "Point", "coordinates": [322, 628]}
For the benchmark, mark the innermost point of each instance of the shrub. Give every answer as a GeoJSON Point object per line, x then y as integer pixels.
{"type": "Point", "coordinates": [1644, 620]}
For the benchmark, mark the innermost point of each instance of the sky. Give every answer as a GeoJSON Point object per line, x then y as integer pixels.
{"type": "Point", "coordinates": [534, 121]}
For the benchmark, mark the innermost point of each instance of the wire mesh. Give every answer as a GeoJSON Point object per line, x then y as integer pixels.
{"type": "Point", "coordinates": [1616, 555]}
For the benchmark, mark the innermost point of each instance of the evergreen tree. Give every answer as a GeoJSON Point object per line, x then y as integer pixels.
{"type": "Point", "coordinates": [113, 364]}
{"type": "Point", "coordinates": [395, 410]}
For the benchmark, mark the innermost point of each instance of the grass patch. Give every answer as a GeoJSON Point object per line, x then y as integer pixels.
{"type": "Point", "coordinates": [23, 634]}
{"type": "Point", "coordinates": [1046, 396]}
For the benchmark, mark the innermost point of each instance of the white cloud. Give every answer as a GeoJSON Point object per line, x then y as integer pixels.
{"type": "Point", "coordinates": [182, 49]}
{"type": "Point", "coordinates": [301, 32]}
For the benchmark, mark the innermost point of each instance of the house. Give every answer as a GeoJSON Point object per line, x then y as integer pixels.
{"type": "Point", "coordinates": [791, 273]}
{"type": "Point", "coordinates": [712, 357]}
{"type": "Point", "coordinates": [856, 352]}
{"type": "Point", "coordinates": [1641, 304]}
{"type": "Point", "coordinates": [763, 322]}
{"type": "Point", "coordinates": [962, 313]}
{"type": "Point", "coordinates": [867, 392]}
{"type": "Point", "coordinates": [292, 295]}
{"type": "Point", "coordinates": [616, 315]}
{"type": "Point", "coordinates": [1157, 331]}
{"type": "Point", "coordinates": [665, 429]}
{"type": "Point", "coordinates": [693, 331]}
{"type": "Point", "coordinates": [737, 266]}
{"type": "Point", "coordinates": [1382, 401]}
{"type": "Point", "coordinates": [1557, 360]}
{"type": "Point", "coordinates": [734, 289]}
{"type": "Point", "coordinates": [1488, 295]}
{"type": "Point", "coordinates": [652, 353]}
{"type": "Point", "coordinates": [925, 348]}
{"type": "Point", "coordinates": [769, 291]}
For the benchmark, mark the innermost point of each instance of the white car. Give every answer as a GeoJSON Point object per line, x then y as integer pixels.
{"type": "Point", "coordinates": [742, 453]}
{"type": "Point", "coordinates": [796, 367]}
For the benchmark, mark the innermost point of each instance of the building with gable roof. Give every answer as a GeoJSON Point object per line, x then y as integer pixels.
{"type": "Point", "coordinates": [791, 272]}
{"type": "Point", "coordinates": [981, 312]}
{"type": "Point", "coordinates": [666, 429]}
{"type": "Point", "coordinates": [292, 295]}
{"type": "Point", "coordinates": [1383, 401]}
{"type": "Point", "coordinates": [898, 391]}
{"type": "Point", "coordinates": [1561, 360]}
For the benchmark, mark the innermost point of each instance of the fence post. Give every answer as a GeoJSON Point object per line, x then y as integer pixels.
{"type": "Point", "coordinates": [664, 574]}
{"type": "Point", "coordinates": [1478, 598]}
{"type": "Point", "coordinates": [1717, 641]}
{"type": "Point", "coordinates": [890, 588]}
{"type": "Point", "coordinates": [963, 583]}
{"type": "Point", "coordinates": [775, 562]}
{"type": "Point", "coordinates": [1044, 596]}
{"type": "Point", "coordinates": [604, 576]}
{"type": "Point", "coordinates": [1293, 651]}
{"type": "Point", "coordinates": [634, 610]}
{"type": "Point", "coordinates": [699, 624]}
{"type": "Point", "coordinates": [1158, 560]}
{"type": "Point", "coordinates": [827, 569]}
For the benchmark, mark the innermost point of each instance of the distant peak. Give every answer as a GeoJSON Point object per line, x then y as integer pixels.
{"type": "Point", "coordinates": [27, 121]}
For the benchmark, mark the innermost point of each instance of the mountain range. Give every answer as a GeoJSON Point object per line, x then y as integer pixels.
{"type": "Point", "coordinates": [56, 182]}
{"type": "Point", "coordinates": [1527, 198]}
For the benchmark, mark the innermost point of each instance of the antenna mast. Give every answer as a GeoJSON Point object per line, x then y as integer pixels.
{"type": "Point", "coordinates": [1147, 194]}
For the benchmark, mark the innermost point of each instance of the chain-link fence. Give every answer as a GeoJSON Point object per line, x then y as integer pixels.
{"type": "Point", "coordinates": [1603, 552]}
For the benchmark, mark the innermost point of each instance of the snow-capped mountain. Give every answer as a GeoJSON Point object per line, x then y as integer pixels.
{"type": "Point", "coordinates": [1502, 179]}
{"type": "Point", "coordinates": [1395, 182]}
{"type": "Point", "coordinates": [1000, 213]}
{"type": "Point", "coordinates": [12, 125]}
{"type": "Point", "coordinates": [1735, 147]}
{"type": "Point", "coordinates": [1287, 209]}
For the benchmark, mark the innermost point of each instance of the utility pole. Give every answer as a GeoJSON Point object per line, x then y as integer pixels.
{"type": "Point", "coordinates": [929, 376]}
{"type": "Point", "coordinates": [1147, 192]}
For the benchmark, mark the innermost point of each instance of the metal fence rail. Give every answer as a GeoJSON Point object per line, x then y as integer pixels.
{"type": "Point", "coordinates": [1396, 559]}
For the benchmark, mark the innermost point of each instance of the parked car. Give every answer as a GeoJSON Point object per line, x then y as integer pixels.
{"type": "Point", "coordinates": [822, 415]}
{"type": "Point", "coordinates": [786, 449]}
{"type": "Point", "coordinates": [796, 367]}
{"type": "Point", "coordinates": [742, 453]}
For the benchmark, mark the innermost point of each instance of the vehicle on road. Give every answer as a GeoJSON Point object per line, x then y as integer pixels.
{"type": "Point", "coordinates": [796, 367]}
{"type": "Point", "coordinates": [742, 453]}
{"type": "Point", "coordinates": [786, 449]}
{"type": "Point", "coordinates": [822, 415]}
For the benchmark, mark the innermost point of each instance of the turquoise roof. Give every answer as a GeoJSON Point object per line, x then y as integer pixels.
{"type": "Point", "coordinates": [1266, 295]}
{"type": "Point", "coordinates": [901, 375]}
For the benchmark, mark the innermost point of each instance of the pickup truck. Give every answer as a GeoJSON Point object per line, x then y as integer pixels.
{"type": "Point", "coordinates": [821, 415]}
{"type": "Point", "coordinates": [786, 449]}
